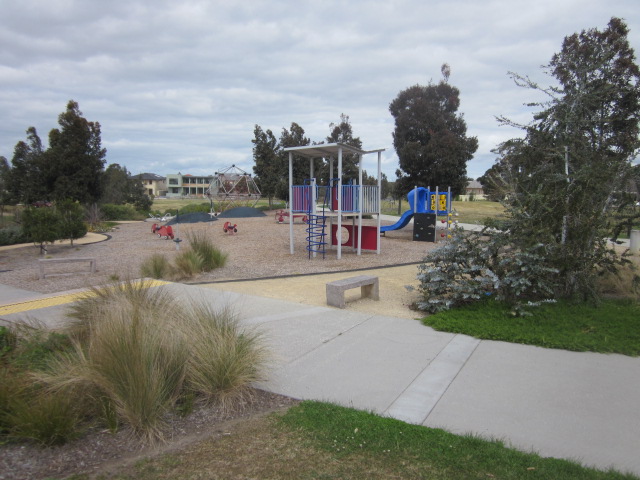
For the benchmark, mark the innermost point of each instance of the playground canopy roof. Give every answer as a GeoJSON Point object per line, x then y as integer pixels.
{"type": "Point", "coordinates": [327, 150]}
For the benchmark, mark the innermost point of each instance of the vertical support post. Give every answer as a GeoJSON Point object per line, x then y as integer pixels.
{"type": "Point", "coordinates": [360, 204]}
{"type": "Point", "coordinates": [313, 209]}
{"type": "Point", "coordinates": [291, 202]}
{"type": "Point", "coordinates": [449, 218]}
{"type": "Point", "coordinates": [379, 201]}
{"type": "Point", "coordinates": [437, 200]}
{"type": "Point", "coordinates": [415, 199]}
{"type": "Point", "coordinates": [339, 232]}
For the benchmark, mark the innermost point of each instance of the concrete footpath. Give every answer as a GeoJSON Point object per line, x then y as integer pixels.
{"type": "Point", "coordinates": [580, 406]}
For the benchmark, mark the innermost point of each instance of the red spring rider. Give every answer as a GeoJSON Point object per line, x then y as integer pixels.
{"type": "Point", "coordinates": [230, 228]}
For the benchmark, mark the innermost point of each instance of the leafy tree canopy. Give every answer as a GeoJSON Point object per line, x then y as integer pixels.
{"type": "Point", "coordinates": [430, 136]}
{"type": "Point", "coordinates": [75, 158]}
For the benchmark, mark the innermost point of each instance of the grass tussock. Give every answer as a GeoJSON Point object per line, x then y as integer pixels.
{"type": "Point", "coordinates": [156, 266]}
{"type": "Point", "coordinates": [199, 257]}
{"type": "Point", "coordinates": [226, 359]}
{"type": "Point", "coordinates": [211, 256]}
{"type": "Point", "coordinates": [139, 295]}
{"type": "Point", "coordinates": [131, 355]}
{"type": "Point", "coordinates": [625, 283]}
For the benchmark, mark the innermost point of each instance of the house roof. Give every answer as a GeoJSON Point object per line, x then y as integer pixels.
{"type": "Point", "coordinates": [474, 184]}
{"type": "Point", "coordinates": [150, 176]}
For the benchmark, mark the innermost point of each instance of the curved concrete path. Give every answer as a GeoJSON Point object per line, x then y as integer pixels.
{"type": "Point", "coordinates": [581, 406]}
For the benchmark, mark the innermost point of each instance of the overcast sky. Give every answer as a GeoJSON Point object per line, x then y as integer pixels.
{"type": "Point", "coordinates": [180, 85]}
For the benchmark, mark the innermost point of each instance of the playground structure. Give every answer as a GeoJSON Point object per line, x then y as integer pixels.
{"type": "Point", "coordinates": [334, 202]}
{"type": "Point", "coordinates": [232, 187]}
{"type": "Point", "coordinates": [426, 205]}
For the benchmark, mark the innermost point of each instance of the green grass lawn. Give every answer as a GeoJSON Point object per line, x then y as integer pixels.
{"type": "Point", "coordinates": [611, 327]}
{"type": "Point", "coordinates": [172, 204]}
{"type": "Point", "coordinates": [322, 441]}
{"type": "Point", "coordinates": [468, 212]}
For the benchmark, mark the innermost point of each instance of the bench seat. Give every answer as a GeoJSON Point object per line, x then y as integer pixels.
{"type": "Point", "coordinates": [369, 288]}
{"type": "Point", "coordinates": [45, 261]}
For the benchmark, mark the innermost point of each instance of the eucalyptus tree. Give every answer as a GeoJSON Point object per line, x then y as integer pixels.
{"type": "Point", "coordinates": [430, 136]}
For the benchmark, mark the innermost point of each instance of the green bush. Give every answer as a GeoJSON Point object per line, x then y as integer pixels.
{"type": "Point", "coordinates": [120, 212]}
{"type": "Point", "coordinates": [470, 267]}
{"type": "Point", "coordinates": [193, 208]}
{"type": "Point", "coordinates": [12, 236]}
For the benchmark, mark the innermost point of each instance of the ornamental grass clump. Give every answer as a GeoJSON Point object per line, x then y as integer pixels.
{"type": "Point", "coordinates": [226, 359]}
{"type": "Point", "coordinates": [136, 352]}
{"type": "Point", "coordinates": [140, 295]}
{"type": "Point", "coordinates": [211, 256]}
{"type": "Point", "coordinates": [156, 266]}
{"type": "Point", "coordinates": [200, 256]}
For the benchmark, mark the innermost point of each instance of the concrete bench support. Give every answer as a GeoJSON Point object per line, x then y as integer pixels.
{"type": "Point", "coordinates": [368, 284]}
{"type": "Point", "coordinates": [43, 262]}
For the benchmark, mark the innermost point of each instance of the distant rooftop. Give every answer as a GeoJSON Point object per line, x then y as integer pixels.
{"type": "Point", "coordinates": [150, 176]}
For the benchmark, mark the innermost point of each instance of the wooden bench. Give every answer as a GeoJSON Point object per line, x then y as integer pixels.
{"type": "Point", "coordinates": [43, 262]}
{"type": "Point", "coordinates": [368, 284]}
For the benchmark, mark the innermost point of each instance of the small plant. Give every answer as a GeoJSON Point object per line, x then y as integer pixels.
{"type": "Point", "coordinates": [156, 266]}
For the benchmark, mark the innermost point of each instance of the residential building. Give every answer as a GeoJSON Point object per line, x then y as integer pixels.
{"type": "Point", "coordinates": [474, 191]}
{"type": "Point", "coordinates": [179, 185]}
{"type": "Point", "coordinates": [154, 185]}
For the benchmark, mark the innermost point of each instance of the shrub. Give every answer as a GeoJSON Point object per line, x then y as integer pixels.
{"type": "Point", "coordinates": [30, 346]}
{"type": "Point", "coordinates": [193, 208]}
{"type": "Point", "coordinates": [212, 257]}
{"type": "Point", "coordinates": [187, 264]}
{"type": "Point", "coordinates": [156, 266]}
{"type": "Point", "coordinates": [48, 418]}
{"type": "Point", "coordinates": [470, 267]}
{"type": "Point", "coordinates": [12, 236]}
{"type": "Point", "coordinates": [119, 212]}
{"type": "Point", "coordinates": [225, 359]}
{"type": "Point", "coordinates": [41, 225]}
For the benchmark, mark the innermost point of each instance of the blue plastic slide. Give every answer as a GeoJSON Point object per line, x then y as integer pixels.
{"type": "Point", "coordinates": [404, 220]}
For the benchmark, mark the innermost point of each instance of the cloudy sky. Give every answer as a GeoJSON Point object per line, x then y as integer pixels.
{"type": "Point", "coordinates": [179, 85]}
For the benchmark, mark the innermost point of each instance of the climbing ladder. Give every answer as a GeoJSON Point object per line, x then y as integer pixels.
{"type": "Point", "coordinates": [316, 224]}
